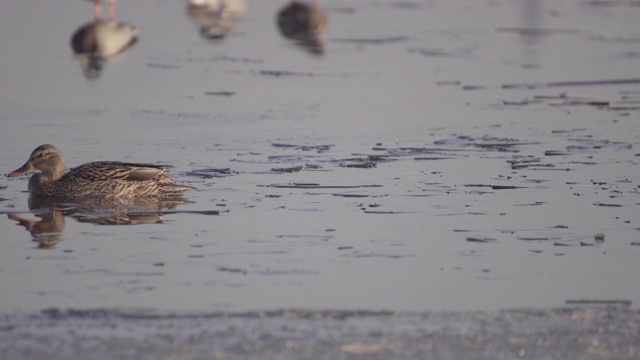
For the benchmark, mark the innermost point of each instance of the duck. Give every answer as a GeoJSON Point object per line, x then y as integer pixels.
{"type": "Point", "coordinates": [100, 41]}
{"type": "Point", "coordinates": [216, 18]}
{"type": "Point", "coordinates": [304, 23]}
{"type": "Point", "coordinates": [107, 179]}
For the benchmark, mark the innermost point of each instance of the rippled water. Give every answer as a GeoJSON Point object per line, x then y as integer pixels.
{"type": "Point", "coordinates": [434, 156]}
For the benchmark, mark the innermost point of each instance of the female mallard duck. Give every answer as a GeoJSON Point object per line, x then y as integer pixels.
{"type": "Point", "coordinates": [95, 179]}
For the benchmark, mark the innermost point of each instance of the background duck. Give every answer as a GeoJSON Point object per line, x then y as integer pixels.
{"type": "Point", "coordinates": [101, 178]}
{"type": "Point", "coordinates": [102, 40]}
{"type": "Point", "coordinates": [304, 23]}
{"type": "Point", "coordinates": [216, 18]}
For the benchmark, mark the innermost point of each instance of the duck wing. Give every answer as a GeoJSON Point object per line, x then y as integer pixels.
{"type": "Point", "coordinates": [114, 170]}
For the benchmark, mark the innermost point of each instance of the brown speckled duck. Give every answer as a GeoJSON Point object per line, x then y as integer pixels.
{"type": "Point", "coordinates": [96, 179]}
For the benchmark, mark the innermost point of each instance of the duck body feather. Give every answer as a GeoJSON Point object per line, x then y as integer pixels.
{"type": "Point", "coordinates": [109, 179]}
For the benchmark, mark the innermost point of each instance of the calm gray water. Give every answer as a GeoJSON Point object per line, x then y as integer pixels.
{"type": "Point", "coordinates": [439, 156]}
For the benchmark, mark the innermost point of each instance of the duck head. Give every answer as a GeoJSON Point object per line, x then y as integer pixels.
{"type": "Point", "coordinates": [46, 158]}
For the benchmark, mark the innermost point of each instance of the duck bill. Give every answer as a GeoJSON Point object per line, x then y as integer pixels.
{"type": "Point", "coordinates": [25, 169]}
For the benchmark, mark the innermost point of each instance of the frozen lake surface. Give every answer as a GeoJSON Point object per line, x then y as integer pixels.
{"type": "Point", "coordinates": [452, 159]}
{"type": "Point", "coordinates": [535, 334]}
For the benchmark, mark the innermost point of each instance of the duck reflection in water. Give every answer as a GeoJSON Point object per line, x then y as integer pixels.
{"type": "Point", "coordinates": [216, 18]}
{"type": "Point", "coordinates": [48, 231]}
{"type": "Point", "coordinates": [100, 41]}
{"type": "Point", "coordinates": [305, 24]}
